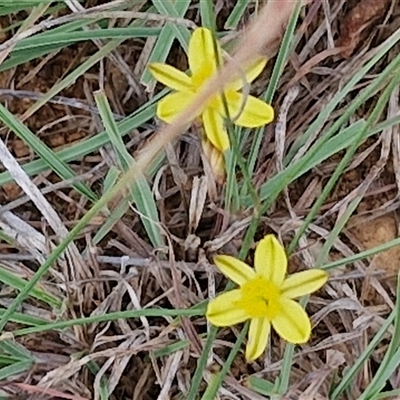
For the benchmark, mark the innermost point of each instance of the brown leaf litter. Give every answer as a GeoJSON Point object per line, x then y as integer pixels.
{"type": "Point", "coordinates": [124, 272]}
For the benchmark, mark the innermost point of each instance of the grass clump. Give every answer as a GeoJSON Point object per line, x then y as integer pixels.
{"type": "Point", "coordinates": [110, 218]}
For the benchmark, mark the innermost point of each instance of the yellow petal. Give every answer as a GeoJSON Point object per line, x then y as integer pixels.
{"type": "Point", "coordinates": [303, 283]}
{"type": "Point", "coordinates": [249, 74]}
{"type": "Point", "coordinates": [258, 338]}
{"type": "Point", "coordinates": [270, 260]}
{"type": "Point", "coordinates": [170, 76]}
{"type": "Point", "coordinates": [173, 104]}
{"type": "Point", "coordinates": [292, 322]}
{"type": "Point", "coordinates": [204, 55]}
{"type": "Point", "coordinates": [214, 128]}
{"type": "Point", "coordinates": [223, 311]}
{"type": "Point", "coordinates": [234, 269]}
{"type": "Point", "coordinates": [248, 111]}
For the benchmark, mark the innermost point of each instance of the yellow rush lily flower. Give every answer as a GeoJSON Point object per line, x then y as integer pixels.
{"type": "Point", "coordinates": [265, 296]}
{"type": "Point", "coordinates": [204, 58]}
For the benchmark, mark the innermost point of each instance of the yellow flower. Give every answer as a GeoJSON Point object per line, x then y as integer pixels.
{"type": "Point", "coordinates": [204, 57]}
{"type": "Point", "coordinates": [265, 297]}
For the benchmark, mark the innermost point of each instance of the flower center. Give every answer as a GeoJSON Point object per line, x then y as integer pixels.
{"type": "Point", "coordinates": [260, 298]}
{"type": "Point", "coordinates": [205, 72]}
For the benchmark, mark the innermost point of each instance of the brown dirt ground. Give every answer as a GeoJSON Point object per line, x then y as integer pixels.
{"type": "Point", "coordinates": [348, 312]}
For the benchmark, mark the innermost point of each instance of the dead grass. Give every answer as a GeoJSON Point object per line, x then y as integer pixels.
{"type": "Point", "coordinates": [124, 272]}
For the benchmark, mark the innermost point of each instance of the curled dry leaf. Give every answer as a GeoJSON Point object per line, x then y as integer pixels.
{"type": "Point", "coordinates": [357, 21]}
{"type": "Point", "coordinates": [197, 201]}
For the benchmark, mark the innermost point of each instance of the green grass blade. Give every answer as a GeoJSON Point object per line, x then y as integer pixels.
{"type": "Point", "coordinates": [236, 158]}
{"type": "Point", "coordinates": [15, 369]}
{"type": "Point", "coordinates": [17, 58]}
{"type": "Point", "coordinates": [15, 350]}
{"type": "Point", "coordinates": [390, 394]}
{"type": "Point", "coordinates": [348, 378]}
{"type": "Point", "coordinates": [212, 389]}
{"type": "Point", "coordinates": [337, 143]}
{"type": "Point", "coordinates": [232, 200]}
{"type": "Point", "coordinates": [46, 154]}
{"type": "Point", "coordinates": [94, 369]}
{"type": "Point", "coordinates": [144, 312]}
{"type": "Point", "coordinates": [391, 359]}
{"type": "Point", "coordinates": [236, 14]}
{"type": "Point", "coordinates": [111, 178]}
{"type": "Point", "coordinates": [283, 54]}
{"type": "Point", "coordinates": [281, 60]}
{"type": "Point", "coordinates": [163, 45]}
{"type": "Point", "coordinates": [270, 190]}
{"type": "Point", "coordinates": [362, 255]}
{"type": "Point", "coordinates": [27, 3]}
{"type": "Point", "coordinates": [282, 382]}
{"type": "Point", "coordinates": [5, 238]}
{"type": "Point", "coordinates": [25, 319]}
{"type": "Point", "coordinates": [207, 15]}
{"type": "Point", "coordinates": [16, 8]}
{"type": "Point", "coordinates": [75, 74]}
{"type": "Point", "coordinates": [260, 386]}
{"type": "Point", "coordinates": [60, 40]}
{"type": "Point", "coordinates": [111, 128]}
{"type": "Point", "coordinates": [334, 233]}
{"type": "Point", "coordinates": [201, 364]}
{"type": "Point", "coordinates": [116, 214]}
{"type": "Point", "coordinates": [340, 95]}
{"type": "Point", "coordinates": [7, 360]}
{"type": "Point", "coordinates": [140, 191]}
{"type": "Point", "coordinates": [79, 150]}
{"type": "Point", "coordinates": [182, 33]}
{"type": "Point", "coordinates": [172, 348]}
{"type": "Point", "coordinates": [358, 138]}
{"type": "Point", "coordinates": [18, 283]}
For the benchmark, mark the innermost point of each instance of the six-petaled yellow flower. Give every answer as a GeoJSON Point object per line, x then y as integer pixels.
{"type": "Point", "coordinates": [204, 56]}
{"type": "Point", "coordinates": [265, 296]}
